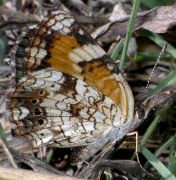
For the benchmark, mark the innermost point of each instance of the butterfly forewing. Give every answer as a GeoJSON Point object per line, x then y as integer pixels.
{"type": "Point", "coordinates": [61, 43]}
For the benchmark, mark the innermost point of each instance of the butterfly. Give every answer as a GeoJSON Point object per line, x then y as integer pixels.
{"type": "Point", "coordinates": [69, 92]}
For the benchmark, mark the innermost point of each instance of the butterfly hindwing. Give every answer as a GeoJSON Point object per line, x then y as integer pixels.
{"type": "Point", "coordinates": [50, 107]}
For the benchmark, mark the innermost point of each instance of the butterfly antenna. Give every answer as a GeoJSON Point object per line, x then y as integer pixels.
{"type": "Point", "coordinates": [156, 63]}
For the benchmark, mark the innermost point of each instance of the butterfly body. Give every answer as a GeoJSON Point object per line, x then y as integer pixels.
{"type": "Point", "coordinates": [72, 93]}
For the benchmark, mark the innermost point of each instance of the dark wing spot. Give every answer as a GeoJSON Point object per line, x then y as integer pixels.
{"type": "Point", "coordinates": [41, 121]}
{"type": "Point", "coordinates": [34, 101]}
{"type": "Point", "coordinates": [42, 92]}
{"type": "Point", "coordinates": [37, 111]}
{"type": "Point", "coordinates": [75, 109]}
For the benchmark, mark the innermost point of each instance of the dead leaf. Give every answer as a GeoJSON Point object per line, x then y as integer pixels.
{"type": "Point", "coordinates": [157, 20]}
{"type": "Point", "coordinates": [117, 13]}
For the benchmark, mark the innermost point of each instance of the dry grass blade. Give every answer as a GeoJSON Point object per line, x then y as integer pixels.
{"type": "Point", "coordinates": [16, 174]}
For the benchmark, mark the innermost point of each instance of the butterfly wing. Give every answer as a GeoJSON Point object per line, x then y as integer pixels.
{"type": "Point", "coordinates": [61, 43]}
{"type": "Point", "coordinates": [50, 107]}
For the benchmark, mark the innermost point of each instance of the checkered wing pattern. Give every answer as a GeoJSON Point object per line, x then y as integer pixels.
{"type": "Point", "coordinates": [50, 107]}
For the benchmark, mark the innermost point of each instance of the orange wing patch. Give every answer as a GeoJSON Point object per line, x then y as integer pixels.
{"type": "Point", "coordinates": [59, 55]}
{"type": "Point", "coordinates": [100, 77]}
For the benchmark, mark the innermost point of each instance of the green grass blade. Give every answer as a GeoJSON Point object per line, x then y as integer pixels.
{"type": "Point", "coordinates": [153, 3]}
{"type": "Point", "coordinates": [6, 147]}
{"type": "Point", "coordinates": [129, 32]}
{"type": "Point", "coordinates": [49, 155]}
{"type": "Point", "coordinates": [159, 166]}
{"type": "Point", "coordinates": [172, 157]}
{"type": "Point", "coordinates": [148, 56]}
{"type": "Point", "coordinates": [117, 50]}
{"type": "Point", "coordinates": [160, 42]}
{"type": "Point", "coordinates": [3, 136]}
{"type": "Point", "coordinates": [108, 174]}
{"type": "Point", "coordinates": [170, 80]}
{"type": "Point", "coordinates": [161, 149]}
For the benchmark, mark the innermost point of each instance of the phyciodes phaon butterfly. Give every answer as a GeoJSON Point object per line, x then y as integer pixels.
{"type": "Point", "coordinates": [72, 93]}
